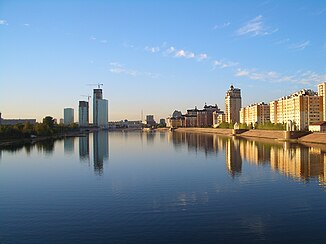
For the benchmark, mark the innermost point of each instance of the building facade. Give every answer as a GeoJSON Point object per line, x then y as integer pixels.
{"type": "Point", "coordinates": [68, 116]}
{"type": "Point", "coordinates": [16, 121]}
{"type": "Point", "coordinates": [302, 108]}
{"type": "Point", "coordinates": [258, 113]}
{"type": "Point", "coordinates": [100, 109]}
{"type": "Point", "coordinates": [83, 115]}
{"type": "Point", "coordinates": [233, 105]}
{"type": "Point", "coordinates": [322, 93]}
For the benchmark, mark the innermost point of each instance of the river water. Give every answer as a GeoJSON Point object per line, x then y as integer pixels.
{"type": "Point", "coordinates": [162, 187]}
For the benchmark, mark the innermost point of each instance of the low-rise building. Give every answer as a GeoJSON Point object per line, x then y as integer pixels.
{"type": "Point", "coordinates": [318, 126]}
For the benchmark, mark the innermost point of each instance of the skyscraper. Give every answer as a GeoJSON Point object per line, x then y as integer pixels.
{"type": "Point", "coordinates": [83, 113]}
{"type": "Point", "coordinates": [100, 109]}
{"type": "Point", "coordinates": [322, 93]}
{"type": "Point", "coordinates": [68, 116]}
{"type": "Point", "coordinates": [233, 105]}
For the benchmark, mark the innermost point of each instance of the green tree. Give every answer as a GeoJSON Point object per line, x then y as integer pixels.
{"type": "Point", "coordinates": [49, 121]}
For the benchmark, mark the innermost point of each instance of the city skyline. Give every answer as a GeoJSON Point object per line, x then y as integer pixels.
{"type": "Point", "coordinates": [155, 57]}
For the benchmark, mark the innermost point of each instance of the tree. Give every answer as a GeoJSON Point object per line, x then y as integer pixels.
{"type": "Point", "coordinates": [49, 121]}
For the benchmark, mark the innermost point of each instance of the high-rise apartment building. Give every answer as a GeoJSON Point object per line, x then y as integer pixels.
{"type": "Point", "coordinates": [302, 108]}
{"type": "Point", "coordinates": [100, 109]}
{"type": "Point", "coordinates": [83, 117]}
{"type": "Point", "coordinates": [68, 116]}
{"type": "Point", "coordinates": [233, 105]}
{"type": "Point", "coordinates": [256, 113]}
{"type": "Point", "coordinates": [322, 93]}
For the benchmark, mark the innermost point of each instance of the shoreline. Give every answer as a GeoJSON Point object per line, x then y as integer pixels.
{"type": "Point", "coordinates": [275, 135]}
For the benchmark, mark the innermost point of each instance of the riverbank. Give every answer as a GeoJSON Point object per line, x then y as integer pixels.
{"type": "Point", "coordinates": [319, 138]}
{"type": "Point", "coordinates": [22, 141]}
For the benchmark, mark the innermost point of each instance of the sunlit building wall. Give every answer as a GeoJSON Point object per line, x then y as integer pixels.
{"type": "Point", "coordinates": [233, 105]}
{"type": "Point", "coordinates": [256, 113]}
{"type": "Point", "coordinates": [322, 92]}
{"type": "Point", "coordinates": [302, 108]}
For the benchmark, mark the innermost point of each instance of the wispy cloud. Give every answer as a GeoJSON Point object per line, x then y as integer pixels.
{"type": "Point", "coordinates": [221, 26]}
{"type": "Point", "coordinates": [92, 38]}
{"type": "Point", "coordinates": [118, 68]}
{"type": "Point", "coordinates": [27, 25]}
{"type": "Point", "coordinates": [300, 46]}
{"type": "Point", "coordinates": [202, 56]}
{"type": "Point", "coordinates": [152, 49]}
{"type": "Point", "coordinates": [222, 64]}
{"type": "Point", "coordinates": [181, 53]}
{"type": "Point", "coordinates": [255, 27]}
{"type": "Point", "coordinates": [104, 41]}
{"type": "Point", "coordinates": [3, 22]}
{"type": "Point", "coordinates": [300, 77]}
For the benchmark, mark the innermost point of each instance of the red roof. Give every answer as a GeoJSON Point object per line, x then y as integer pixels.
{"type": "Point", "coordinates": [319, 123]}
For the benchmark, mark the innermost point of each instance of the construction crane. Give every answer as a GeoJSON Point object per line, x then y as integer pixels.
{"type": "Point", "coordinates": [97, 84]}
{"type": "Point", "coordinates": [88, 97]}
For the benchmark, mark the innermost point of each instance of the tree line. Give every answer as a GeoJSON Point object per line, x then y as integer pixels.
{"type": "Point", "coordinates": [47, 128]}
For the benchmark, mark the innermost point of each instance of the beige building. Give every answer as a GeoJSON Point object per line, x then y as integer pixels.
{"type": "Point", "coordinates": [322, 93]}
{"type": "Point", "coordinates": [218, 118]}
{"type": "Point", "coordinates": [256, 113]}
{"type": "Point", "coordinates": [232, 105]}
{"type": "Point", "coordinates": [302, 108]}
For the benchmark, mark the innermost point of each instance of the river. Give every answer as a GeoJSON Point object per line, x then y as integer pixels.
{"type": "Point", "coordinates": [162, 187]}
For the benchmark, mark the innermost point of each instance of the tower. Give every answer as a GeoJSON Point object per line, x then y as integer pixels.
{"type": "Point", "coordinates": [100, 109]}
{"type": "Point", "coordinates": [233, 105]}
{"type": "Point", "coordinates": [83, 117]}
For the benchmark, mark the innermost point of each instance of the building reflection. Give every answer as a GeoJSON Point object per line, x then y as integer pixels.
{"type": "Point", "coordinates": [233, 157]}
{"type": "Point", "coordinates": [293, 160]}
{"type": "Point", "coordinates": [84, 148]}
{"type": "Point", "coordinates": [100, 150]}
{"type": "Point", "coordinates": [69, 145]}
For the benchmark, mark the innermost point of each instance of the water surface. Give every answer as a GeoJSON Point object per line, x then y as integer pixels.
{"type": "Point", "coordinates": [162, 187]}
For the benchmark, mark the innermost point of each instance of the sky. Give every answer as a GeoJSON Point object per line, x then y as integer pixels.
{"type": "Point", "coordinates": [156, 56]}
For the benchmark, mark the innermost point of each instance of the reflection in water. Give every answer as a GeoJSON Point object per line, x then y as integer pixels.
{"type": "Point", "coordinates": [233, 158]}
{"type": "Point", "coordinates": [84, 148]}
{"type": "Point", "coordinates": [68, 145]}
{"type": "Point", "coordinates": [101, 150]}
{"type": "Point", "coordinates": [293, 160]}
{"type": "Point", "coordinates": [47, 146]}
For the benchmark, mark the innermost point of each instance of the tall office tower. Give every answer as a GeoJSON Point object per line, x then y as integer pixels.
{"type": "Point", "coordinates": [322, 93]}
{"type": "Point", "coordinates": [83, 113]}
{"type": "Point", "coordinates": [100, 109]}
{"type": "Point", "coordinates": [68, 116]}
{"type": "Point", "coordinates": [233, 105]}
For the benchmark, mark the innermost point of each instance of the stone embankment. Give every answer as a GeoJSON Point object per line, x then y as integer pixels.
{"type": "Point", "coordinates": [262, 134]}
{"type": "Point", "coordinates": [314, 138]}
{"type": "Point", "coordinates": [225, 132]}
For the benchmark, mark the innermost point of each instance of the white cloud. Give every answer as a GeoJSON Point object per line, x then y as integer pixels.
{"type": "Point", "coordinates": [255, 27]}
{"type": "Point", "coordinates": [221, 26]}
{"type": "Point", "coordinates": [184, 54]}
{"type": "Point", "coordinates": [93, 38]}
{"type": "Point", "coordinates": [118, 68]}
{"type": "Point", "coordinates": [300, 46]}
{"type": "Point", "coordinates": [27, 25]}
{"type": "Point", "coordinates": [152, 49]}
{"type": "Point", "coordinates": [221, 64]}
{"type": "Point", "coordinates": [170, 50]}
{"type": "Point", "coordinates": [3, 22]}
{"type": "Point", "coordinates": [104, 41]}
{"type": "Point", "coordinates": [202, 56]}
{"type": "Point", "coordinates": [304, 78]}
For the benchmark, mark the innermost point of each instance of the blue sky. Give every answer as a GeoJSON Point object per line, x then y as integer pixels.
{"type": "Point", "coordinates": [156, 56]}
